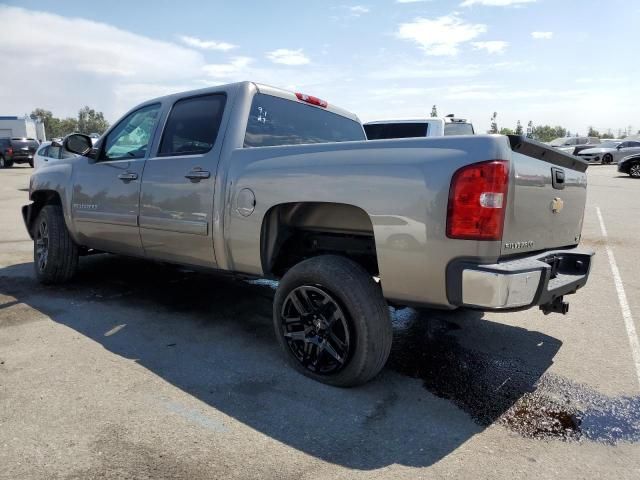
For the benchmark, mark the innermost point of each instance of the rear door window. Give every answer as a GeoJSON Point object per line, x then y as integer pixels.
{"type": "Point", "coordinates": [379, 131]}
{"type": "Point", "coordinates": [278, 121]}
{"type": "Point", "coordinates": [54, 152]}
{"type": "Point", "coordinates": [193, 125]}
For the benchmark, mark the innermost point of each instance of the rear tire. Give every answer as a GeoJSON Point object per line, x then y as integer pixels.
{"type": "Point", "coordinates": [607, 159]}
{"type": "Point", "coordinates": [4, 163]}
{"type": "Point", "coordinates": [31, 163]}
{"type": "Point", "coordinates": [634, 170]}
{"type": "Point", "coordinates": [332, 322]}
{"type": "Point", "coordinates": [55, 254]}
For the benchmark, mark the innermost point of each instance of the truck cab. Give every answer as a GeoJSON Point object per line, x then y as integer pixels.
{"type": "Point", "coordinates": [418, 127]}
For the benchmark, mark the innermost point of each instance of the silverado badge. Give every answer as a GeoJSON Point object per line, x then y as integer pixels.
{"type": "Point", "coordinates": [557, 205]}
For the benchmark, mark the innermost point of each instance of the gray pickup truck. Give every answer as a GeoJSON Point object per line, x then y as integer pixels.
{"type": "Point", "coordinates": [262, 182]}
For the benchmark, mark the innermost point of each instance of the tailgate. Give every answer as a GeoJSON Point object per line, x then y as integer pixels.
{"type": "Point", "coordinates": [547, 196]}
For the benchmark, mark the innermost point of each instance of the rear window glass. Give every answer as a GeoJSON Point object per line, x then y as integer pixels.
{"type": "Point", "coordinates": [379, 131]}
{"type": "Point", "coordinates": [277, 121]}
{"type": "Point", "coordinates": [458, 129]}
{"type": "Point", "coordinates": [20, 142]}
{"type": "Point", "coordinates": [193, 125]}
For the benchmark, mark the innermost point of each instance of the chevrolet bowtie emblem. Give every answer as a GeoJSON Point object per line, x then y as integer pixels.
{"type": "Point", "coordinates": [557, 205]}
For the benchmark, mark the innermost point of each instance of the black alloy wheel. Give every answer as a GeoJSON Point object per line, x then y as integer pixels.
{"type": "Point", "coordinates": [42, 245]}
{"type": "Point", "coordinates": [316, 329]}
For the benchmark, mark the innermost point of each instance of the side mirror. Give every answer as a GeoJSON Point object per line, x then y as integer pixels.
{"type": "Point", "coordinates": [78, 143]}
{"type": "Point", "coordinates": [618, 147]}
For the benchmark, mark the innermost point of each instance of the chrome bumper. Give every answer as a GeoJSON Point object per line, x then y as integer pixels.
{"type": "Point", "coordinates": [518, 284]}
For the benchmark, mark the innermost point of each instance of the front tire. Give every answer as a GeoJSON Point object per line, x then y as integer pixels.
{"type": "Point", "coordinates": [607, 159]}
{"type": "Point", "coordinates": [55, 254]}
{"type": "Point", "coordinates": [332, 322]}
{"type": "Point", "coordinates": [634, 170]}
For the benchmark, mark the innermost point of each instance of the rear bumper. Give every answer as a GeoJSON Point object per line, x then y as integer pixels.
{"type": "Point", "coordinates": [518, 284]}
{"type": "Point", "coordinates": [22, 158]}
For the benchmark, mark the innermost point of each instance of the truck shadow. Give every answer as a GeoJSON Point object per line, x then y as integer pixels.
{"type": "Point", "coordinates": [450, 374]}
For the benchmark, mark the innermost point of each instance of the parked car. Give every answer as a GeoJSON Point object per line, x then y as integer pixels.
{"type": "Point", "coordinates": [17, 150]}
{"type": "Point", "coordinates": [611, 152]}
{"type": "Point", "coordinates": [421, 127]}
{"type": "Point", "coordinates": [48, 152]}
{"type": "Point", "coordinates": [574, 145]}
{"type": "Point", "coordinates": [630, 165]}
{"type": "Point", "coordinates": [261, 182]}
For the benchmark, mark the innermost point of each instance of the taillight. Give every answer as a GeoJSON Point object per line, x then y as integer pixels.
{"type": "Point", "coordinates": [10, 151]}
{"type": "Point", "coordinates": [477, 201]}
{"type": "Point", "coordinates": [312, 100]}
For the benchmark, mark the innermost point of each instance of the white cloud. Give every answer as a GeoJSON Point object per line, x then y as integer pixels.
{"type": "Point", "coordinates": [492, 46]}
{"type": "Point", "coordinates": [542, 35]}
{"type": "Point", "coordinates": [358, 10]}
{"type": "Point", "coordinates": [68, 62]}
{"type": "Point", "coordinates": [286, 56]}
{"type": "Point", "coordinates": [228, 70]}
{"type": "Point", "coordinates": [495, 3]}
{"type": "Point", "coordinates": [206, 44]}
{"type": "Point", "coordinates": [442, 35]}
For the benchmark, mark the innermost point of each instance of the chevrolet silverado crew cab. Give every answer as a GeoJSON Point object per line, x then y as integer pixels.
{"type": "Point", "coordinates": [262, 182]}
{"type": "Point", "coordinates": [418, 127]}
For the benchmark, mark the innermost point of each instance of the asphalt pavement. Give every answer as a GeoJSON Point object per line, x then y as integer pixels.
{"type": "Point", "coordinates": [142, 370]}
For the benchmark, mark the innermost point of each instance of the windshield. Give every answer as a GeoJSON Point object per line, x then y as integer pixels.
{"type": "Point", "coordinates": [608, 145]}
{"type": "Point", "coordinates": [560, 141]}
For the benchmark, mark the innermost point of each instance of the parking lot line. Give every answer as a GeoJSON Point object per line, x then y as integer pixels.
{"type": "Point", "coordinates": [622, 299]}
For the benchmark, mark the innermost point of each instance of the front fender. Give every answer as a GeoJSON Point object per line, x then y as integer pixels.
{"type": "Point", "coordinates": [55, 180]}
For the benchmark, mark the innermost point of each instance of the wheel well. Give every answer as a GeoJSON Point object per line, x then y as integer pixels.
{"type": "Point", "coordinates": [41, 198]}
{"type": "Point", "coordinates": [292, 232]}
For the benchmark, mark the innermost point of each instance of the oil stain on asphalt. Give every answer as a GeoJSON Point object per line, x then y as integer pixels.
{"type": "Point", "coordinates": [504, 389]}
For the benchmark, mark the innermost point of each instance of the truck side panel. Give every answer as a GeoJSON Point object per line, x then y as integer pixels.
{"type": "Point", "coordinates": [403, 185]}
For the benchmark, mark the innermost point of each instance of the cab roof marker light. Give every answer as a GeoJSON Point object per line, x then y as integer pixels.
{"type": "Point", "coordinates": [303, 97]}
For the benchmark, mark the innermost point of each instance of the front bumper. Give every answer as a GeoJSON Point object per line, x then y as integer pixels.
{"type": "Point", "coordinates": [518, 284]}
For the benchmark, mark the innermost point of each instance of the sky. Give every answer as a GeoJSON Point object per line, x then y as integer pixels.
{"type": "Point", "coordinates": [560, 62]}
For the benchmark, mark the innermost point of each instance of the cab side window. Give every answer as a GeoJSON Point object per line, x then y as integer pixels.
{"type": "Point", "coordinates": [131, 137]}
{"type": "Point", "coordinates": [192, 126]}
{"type": "Point", "coordinates": [54, 152]}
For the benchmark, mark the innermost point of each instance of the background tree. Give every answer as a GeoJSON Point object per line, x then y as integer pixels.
{"type": "Point", "coordinates": [518, 130]}
{"type": "Point", "coordinates": [593, 132]}
{"type": "Point", "coordinates": [546, 133]}
{"type": "Point", "coordinates": [434, 111]}
{"type": "Point", "coordinates": [506, 131]}
{"type": "Point", "coordinates": [494, 123]}
{"type": "Point", "coordinates": [90, 121]}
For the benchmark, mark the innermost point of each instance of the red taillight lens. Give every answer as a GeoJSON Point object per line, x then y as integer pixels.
{"type": "Point", "coordinates": [10, 151]}
{"type": "Point", "coordinates": [477, 201]}
{"type": "Point", "coordinates": [312, 100]}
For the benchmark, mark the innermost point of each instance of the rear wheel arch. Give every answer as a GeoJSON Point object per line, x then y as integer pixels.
{"type": "Point", "coordinates": [292, 232]}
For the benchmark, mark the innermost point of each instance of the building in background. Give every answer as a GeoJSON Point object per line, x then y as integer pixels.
{"type": "Point", "coordinates": [24, 127]}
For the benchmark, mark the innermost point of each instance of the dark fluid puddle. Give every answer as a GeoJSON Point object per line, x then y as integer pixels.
{"type": "Point", "coordinates": [507, 382]}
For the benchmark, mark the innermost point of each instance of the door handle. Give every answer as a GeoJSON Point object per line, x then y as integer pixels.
{"type": "Point", "coordinates": [197, 174]}
{"type": "Point", "coordinates": [128, 176]}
